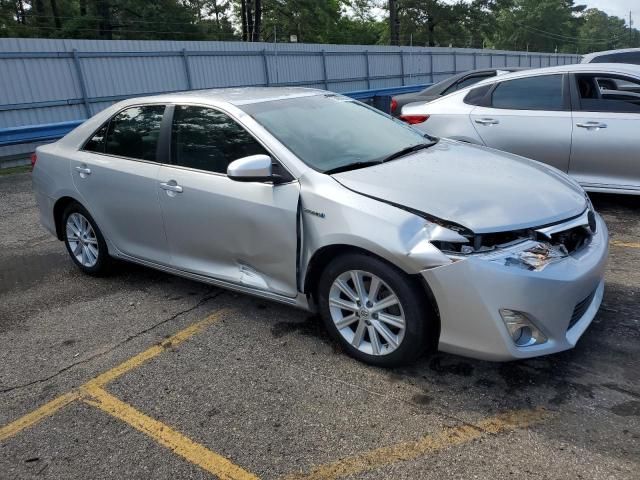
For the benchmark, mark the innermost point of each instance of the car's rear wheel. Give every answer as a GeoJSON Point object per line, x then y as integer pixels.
{"type": "Point", "coordinates": [374, 310]}
{"type": "Point", "coordinates": [84, 241]}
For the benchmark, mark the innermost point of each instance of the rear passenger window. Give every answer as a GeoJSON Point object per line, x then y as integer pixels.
{"type": "Point", "coordinates": [209, 140]}
{"type": "Point", "coordinates": [476, 95]}
{"type": "Point", "coordinates": [532, 93]}
{"type": "Point", "coordinates": [98, 141]}
{"type": "Point", "coordinates": [134, 132]}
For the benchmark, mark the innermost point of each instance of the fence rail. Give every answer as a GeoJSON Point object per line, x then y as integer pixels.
{"type": "Point", "coordinates": [44, 81]}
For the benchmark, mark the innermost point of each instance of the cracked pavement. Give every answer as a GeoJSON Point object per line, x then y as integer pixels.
{"type": "Point", "coordinates": [266, 388]}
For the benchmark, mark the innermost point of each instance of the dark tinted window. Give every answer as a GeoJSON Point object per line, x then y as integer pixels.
{"type": "Point", "coordinates": [622, 57]}
{"type": "Point", "coordinates": [209, 140]}
{"type": "Point", "coordinates": [477, 95]}
{"type": "Point", "coordinates": [466, 83]}
{"type": "Point", "coordinates": [98, 141]}
{"type": "Point", "coordinates": [601, 93]}
{"type": "Point", "coordinates": [532, 93]}
{"type": "Point", "coordinates": [134, 132]}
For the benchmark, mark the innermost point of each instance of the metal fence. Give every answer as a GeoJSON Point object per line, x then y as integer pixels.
{"type": "Point", "coordinates": [49, 81]}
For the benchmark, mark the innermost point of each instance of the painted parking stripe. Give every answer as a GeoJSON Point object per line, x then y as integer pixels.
{"type": "Point", "coordinates": [617, 243]}
{"type": "Point", "coordinates": [34, 417]}
{"type": "Point", "coordinates": [101, 380]}
{"type": "Point", "coordinates": [143, 357]}
{"type": "Point", "coordinates": [449, 437]}
{"type": "Point", "coordinates": [93, 394]}
{"type": "Point", "coordinates": [166, 436]}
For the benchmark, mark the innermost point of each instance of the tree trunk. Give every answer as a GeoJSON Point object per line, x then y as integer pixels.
{"type": "Point", "coordinates": [257, 22]}
{"type": "Point", "coordinates": [243, 15]}
{"type": "Point", "coordinates": [250, 20]}
{"type": "Point", "coordinates": [394, 22]}
{"type": "Point", "coordinates": [431, 35]}
{"type": "Point", "coordinates": [104, 12]}
{"type": "Point", "coordinates": [83, 8]}
{"type": "Point", "coordinates": [56, 14]}
{"type": "Point", "coordinates": [40, 15]}
{"type": "Point", "coordinates": [22, 18]}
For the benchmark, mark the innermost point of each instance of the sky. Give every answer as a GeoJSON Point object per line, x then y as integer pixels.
{"type": "Point", "coordinates": [619, 8]}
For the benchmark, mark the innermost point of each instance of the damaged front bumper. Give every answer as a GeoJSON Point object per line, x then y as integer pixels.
{"type": "Point", "coordinates": [560, 299]}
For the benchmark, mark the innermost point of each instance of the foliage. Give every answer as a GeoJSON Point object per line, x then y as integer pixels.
{"type": "Point", "coordinates": [536, 25]}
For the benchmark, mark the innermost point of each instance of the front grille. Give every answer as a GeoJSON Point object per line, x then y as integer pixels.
{"type": "Point", "coordinates": [580, 309]}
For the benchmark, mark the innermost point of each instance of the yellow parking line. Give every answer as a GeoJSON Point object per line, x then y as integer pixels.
{"type": "Point", "coordinates": [134, 362]}
{"type": "Point", "coordinates": [166, 436]}
{"type": "Point", "coordinates": [101, 380]}
{"type": "Point", "coordinates": [617, 243]}
{"type": "Point", "coordinates": [448, 437]}
{"type": "Point", "coordinates": [34, 417]}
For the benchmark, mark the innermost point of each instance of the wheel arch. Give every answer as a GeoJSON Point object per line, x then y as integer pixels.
{"type": "Point", "coordinates": [58, 209]}
{"type": "Point", "coordinates": [323, 256]}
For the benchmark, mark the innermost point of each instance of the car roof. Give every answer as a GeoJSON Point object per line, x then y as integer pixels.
{"type": "Point", "coordinates": [591, 56]}
{"type": "Point", "coordinates": [447, 82]}
{"type": "Point", "coordinates": [234, 96]}
{"type": "Point", "coordinates": [605, 68]}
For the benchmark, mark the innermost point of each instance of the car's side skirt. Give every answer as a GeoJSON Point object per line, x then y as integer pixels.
{"type": "Point", "coordinates": [299, 301]}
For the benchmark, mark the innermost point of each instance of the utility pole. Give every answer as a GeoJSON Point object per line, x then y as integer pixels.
{"type": "Point", "coordinates": [630, 29]}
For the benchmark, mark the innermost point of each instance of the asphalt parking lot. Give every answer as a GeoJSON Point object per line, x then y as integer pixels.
{"type": "Point", "coordinates": [142, 374]}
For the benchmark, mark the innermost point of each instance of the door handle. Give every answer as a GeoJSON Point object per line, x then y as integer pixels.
{"type": "Point", "coordinates": [591, 125]}
{"type": "Point", "coordinates": [487, 121]}
{"type": "Point", "coordinates": [83, 170]}
{"type": "Point", "coordinates": [171, 187]}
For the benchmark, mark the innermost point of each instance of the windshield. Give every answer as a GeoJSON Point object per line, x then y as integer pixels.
{"type": "Point", "coordinates": [329, 132]}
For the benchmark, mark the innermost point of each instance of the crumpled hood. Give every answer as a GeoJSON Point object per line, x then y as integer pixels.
{"type": "Point", "coordinates": [478, 188]}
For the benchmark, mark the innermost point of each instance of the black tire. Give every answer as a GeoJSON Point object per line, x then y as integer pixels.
{"type": "Point", "coordinates": [103, 261]}
{"type": "Point", "coordinates": [420, 324]}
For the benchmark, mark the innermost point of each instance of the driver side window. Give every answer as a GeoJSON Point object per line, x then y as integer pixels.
{"type": "Point", "coordinates": [209, 140]}
{"type": "Point", "coordinates": [608, 93]}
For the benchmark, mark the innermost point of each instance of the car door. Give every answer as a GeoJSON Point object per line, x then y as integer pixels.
{"type": "Point", "coordinates": [528, 116]}
{"type": "Point", "coordinates": [606, 120]}
{"type": "Point", "coordinates": [115, 174]}
{"type": "Point", "coordinates": [239, 232]}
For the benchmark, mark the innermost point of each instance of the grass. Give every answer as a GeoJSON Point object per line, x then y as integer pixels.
{"type": "Point", "coordinates": [12, 170]}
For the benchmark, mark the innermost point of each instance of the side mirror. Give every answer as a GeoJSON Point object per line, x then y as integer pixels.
{"type": "Point", "coordinates": [254, 168]}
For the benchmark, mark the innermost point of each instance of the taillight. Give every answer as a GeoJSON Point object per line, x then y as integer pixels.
{"type": "Point", "coordinates": [413, 119]}
{"type": "Point", "coordinates": [394, 105]}
{"type": "Point", "coordinates": [34, 159]}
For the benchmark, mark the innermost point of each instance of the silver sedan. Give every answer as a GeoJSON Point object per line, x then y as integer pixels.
{"type": "Point", "coordinates": [403, 242]}
{"type": "Point", "coordinates": [582, 119]}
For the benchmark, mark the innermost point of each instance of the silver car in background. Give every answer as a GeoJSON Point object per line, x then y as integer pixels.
{"type": "Point", "coordinates": [402, 242]}
{"type": "Point", "coordinates": [582, 119]}
{"type": "Point", "coordinates": [621, 55]}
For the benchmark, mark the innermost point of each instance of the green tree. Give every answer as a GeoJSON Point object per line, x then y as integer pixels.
{"type": "Point", "coordinates": [539, 25]}
{"type": "Point", "coordinates": [598, 31]}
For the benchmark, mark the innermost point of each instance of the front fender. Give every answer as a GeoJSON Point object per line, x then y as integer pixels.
{"type": "Point", "coordinates": [333, 215]}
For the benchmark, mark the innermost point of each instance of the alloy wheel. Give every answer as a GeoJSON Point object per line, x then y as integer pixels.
{"type": "Point", "coordinates": [367, 312]}
{"type": "Point", "coordinates": [82, 240]}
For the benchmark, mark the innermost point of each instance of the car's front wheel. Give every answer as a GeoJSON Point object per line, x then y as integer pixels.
{"type": "Point", "coordinates": [378, 313]}
{"type": "Point", "coordinates": [84, 241]}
